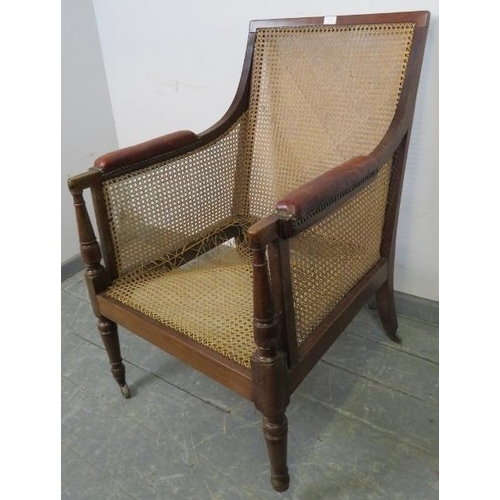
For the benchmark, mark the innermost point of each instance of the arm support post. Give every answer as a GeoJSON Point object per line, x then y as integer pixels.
{"type": "Point", "coordinates": [269, 371]}
{"type": "Point", "coordinates": [96, 276]}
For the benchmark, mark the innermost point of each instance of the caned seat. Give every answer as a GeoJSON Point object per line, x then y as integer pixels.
{"type": "Point", "coordinates": [246, 250]}
{"type": "Point", "coordinates": [209, 300]}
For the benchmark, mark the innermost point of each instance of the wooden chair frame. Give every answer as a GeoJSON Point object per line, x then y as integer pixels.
{"type": "Point", "coordinates": [278, 365]}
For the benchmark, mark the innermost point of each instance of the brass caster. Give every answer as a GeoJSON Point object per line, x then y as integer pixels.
{"type": "Point", "coordinates": [124, 389]}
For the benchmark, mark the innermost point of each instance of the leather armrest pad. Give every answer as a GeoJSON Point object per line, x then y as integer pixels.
{"type": "Point", "coordinates": [145, 150]}
{"type": "Point", "coordinates": [320, 191]}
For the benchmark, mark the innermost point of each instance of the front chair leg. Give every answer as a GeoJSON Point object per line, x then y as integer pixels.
{"type": "Point", "coordinates": [271, 398]}
{"type": "Point", "coordinates": [387, 311]}
{"type": "Point", "coordinates": [270, 388]}
{"type": "Point", "coordinates": [109, 336]}
{"type": "Point", "coordinates": [276, 432]}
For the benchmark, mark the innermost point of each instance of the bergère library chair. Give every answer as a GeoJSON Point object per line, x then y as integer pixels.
{"type": "Point", "coordinates": [245, 250]}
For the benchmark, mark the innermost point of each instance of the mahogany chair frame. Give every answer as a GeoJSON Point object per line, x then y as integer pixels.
{"type": "Point", "coordinates": [278, 365]}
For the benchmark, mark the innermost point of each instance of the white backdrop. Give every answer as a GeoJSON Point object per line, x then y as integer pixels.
{"type": "Point", "coordinates": [87, 123]}
{"type": "Point", "coordinates": [176, 65]}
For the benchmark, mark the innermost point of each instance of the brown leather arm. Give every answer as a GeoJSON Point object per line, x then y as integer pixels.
{"type": "Point", "coordinates": [145, 150]}
{"type": "Point", "coordinates": [318, 194]}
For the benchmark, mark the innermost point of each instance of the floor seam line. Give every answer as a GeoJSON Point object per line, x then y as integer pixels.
{"type": "Point", "coordinates": [347, 414]}
{"type": "Point", "coordinates": [414, 318]}
{"type": "Point", "coordinates": [210, 403]}
{"type": "Point", "coordinates": [75, 295]}
{"type": "Point", "coordinates": [378, 383]}
{"type": "Point", "coordinates": [407, 316]}
{"type": "Point", "coordinates": [402, 350]}
{"type": "Point", "coordinates": [104, 474]}
{"type": "Point", "coordinates": [105, 402]}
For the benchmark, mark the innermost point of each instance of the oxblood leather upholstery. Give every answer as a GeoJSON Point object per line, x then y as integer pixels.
{"type": "Point", "coordinates": [145, 150]}
{"type": "Point", "coordinates": [306, 199]}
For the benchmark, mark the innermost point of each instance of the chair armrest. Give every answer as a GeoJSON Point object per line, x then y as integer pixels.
{"type": "Point", "coordinates": [263, 232]}
{"type": "Point", "coordinates": [312, 201]}
{"type": "Point", "coordinates": [145, 151]}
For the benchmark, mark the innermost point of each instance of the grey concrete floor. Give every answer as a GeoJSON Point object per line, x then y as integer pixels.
{"type": "Point", "coordinates": [363, 425]}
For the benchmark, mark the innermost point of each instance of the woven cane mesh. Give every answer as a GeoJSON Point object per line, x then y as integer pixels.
{"type": "Point", "coordinates": [208, 299]}
{"type": "Point", "coordinates": [330, 257]}
{"type": "Point", "coordinates": [157, 211]}
{"type": "Point", "coordinates": [319, 96]}
{"type": "Point", "coordinates": [161, 213]}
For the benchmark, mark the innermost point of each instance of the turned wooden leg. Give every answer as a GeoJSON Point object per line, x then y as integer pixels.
{"type": "Point", "coordinates": [97, 278]}
{"type": "Point", "coordinates": [276, 432]}
{"type": "Point", "coordinates": [271, 397]}
{"type": "Point", "coordinates": [271, 393]}
{"type": "Point", "coordinates": [387, 311]}
{"type": "Point", "coordinates": [109, 336]}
